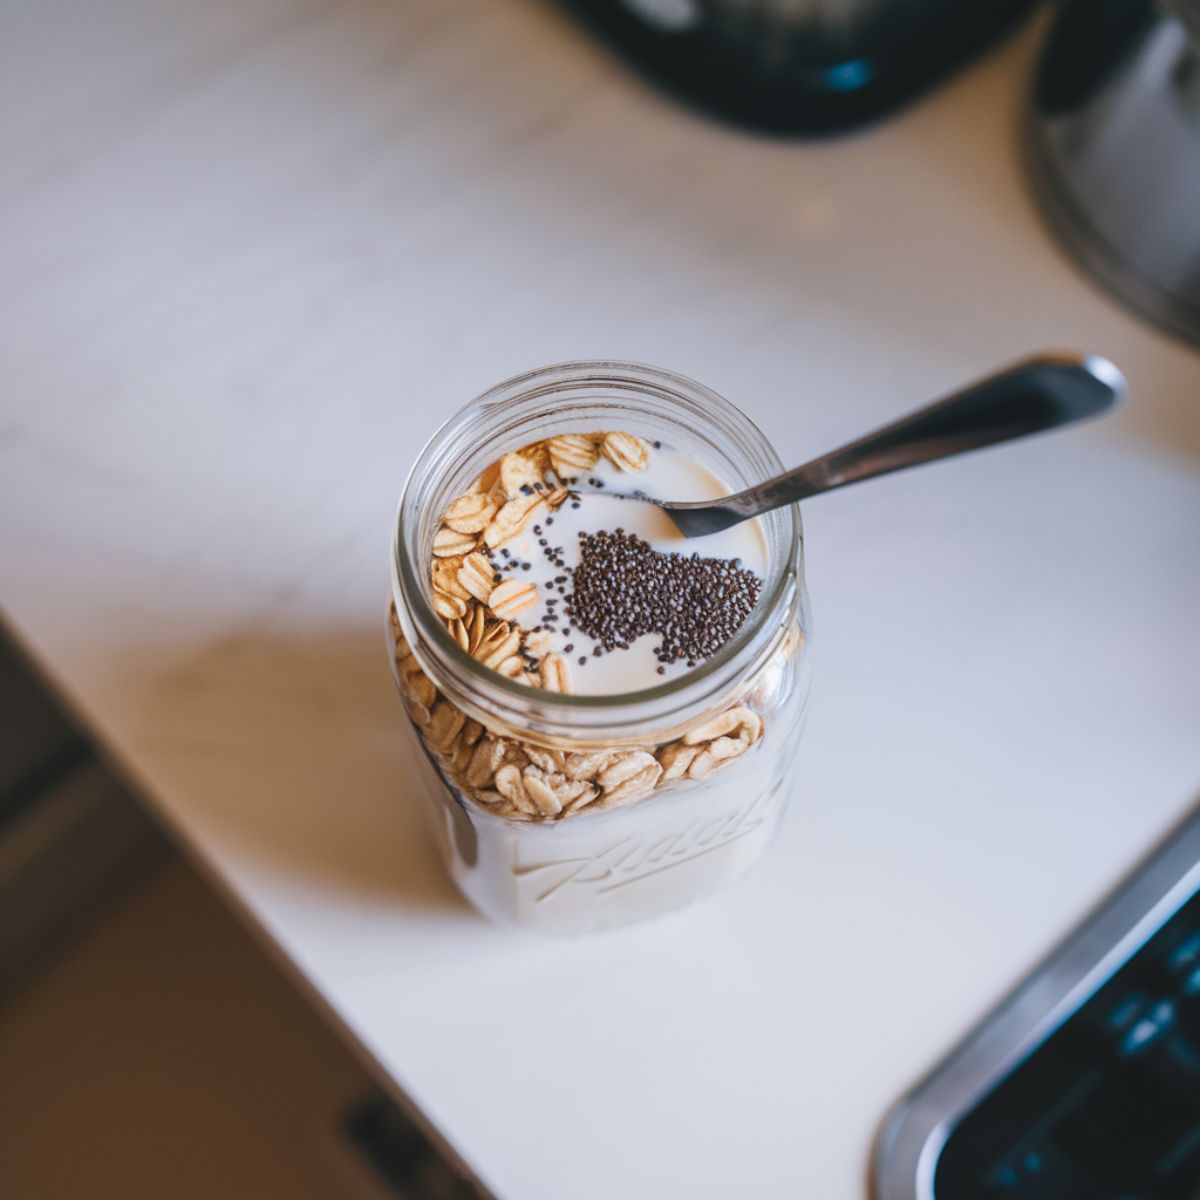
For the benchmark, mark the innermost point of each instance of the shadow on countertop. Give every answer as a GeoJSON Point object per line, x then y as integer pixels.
{"type": "Point", "coordinates": [284, 750]}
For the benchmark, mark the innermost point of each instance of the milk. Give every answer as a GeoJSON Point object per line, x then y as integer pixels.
{"type": "Point", "coordinates": [669, 476]}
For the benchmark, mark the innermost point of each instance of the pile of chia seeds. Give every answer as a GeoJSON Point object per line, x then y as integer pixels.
{"type": "Point", "coordinates": [622, 589]}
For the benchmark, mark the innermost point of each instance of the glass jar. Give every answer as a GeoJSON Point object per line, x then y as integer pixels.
{"type": "Point", "coordinates": [718, 742]}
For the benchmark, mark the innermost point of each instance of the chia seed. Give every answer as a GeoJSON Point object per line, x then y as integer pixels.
{"type": "Point", "coordinates": [622, 589]}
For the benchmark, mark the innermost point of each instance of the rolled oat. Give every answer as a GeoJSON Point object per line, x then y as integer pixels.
{"type": "Point", "coordinates": [572, 454]}
{"type": "Point", "coordinates": [511, 597]}
{"type": "Point", "coordinates": [555, 674]}
{"type": "Point", "coordinates": [471, 513]}
{"type": "Point", "coordinates": [625, 451]}
{"type": "Point", "coordinates": [476, 576]}
{"type": "Point", "coordinates": [449, 543]}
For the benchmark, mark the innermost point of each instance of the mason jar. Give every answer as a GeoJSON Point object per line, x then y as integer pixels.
{"type": "Point", "coordinates": [711, 751]}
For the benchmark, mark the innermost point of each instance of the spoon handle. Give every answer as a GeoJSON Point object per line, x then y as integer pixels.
{"type": "Point", "coordinates": [1034, 395]}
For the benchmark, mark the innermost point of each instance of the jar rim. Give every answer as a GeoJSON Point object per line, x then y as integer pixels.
{"type": "Point", "coordinates": [411, 585]}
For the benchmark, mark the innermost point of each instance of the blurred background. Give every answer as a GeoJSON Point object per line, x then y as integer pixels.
{"type": "Point", "coordinates": [251, 254]}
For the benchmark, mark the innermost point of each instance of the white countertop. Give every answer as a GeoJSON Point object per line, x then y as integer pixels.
{"type": "Point", "coordinates": [253, 252]}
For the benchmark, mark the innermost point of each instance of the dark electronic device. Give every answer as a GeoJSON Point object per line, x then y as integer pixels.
{"type": "Point", "coordinates": [1085, 1083]}
{"type": "Point", "coordinates": [800, 66]}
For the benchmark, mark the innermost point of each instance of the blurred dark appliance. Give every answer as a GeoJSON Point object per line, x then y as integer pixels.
{"type": "Point", "coordinates": [1114, 149]}
{"type": "Point", "coordinates": [1085, 1083]}
{"type": "Point", "coordinates": [801, 66]}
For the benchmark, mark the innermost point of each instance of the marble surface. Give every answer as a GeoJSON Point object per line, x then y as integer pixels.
{"type": "Point", "coordinates": [252, 251]}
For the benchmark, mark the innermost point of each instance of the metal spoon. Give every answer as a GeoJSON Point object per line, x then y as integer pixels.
{"type": "Point", "coordinates": [1034, 395]}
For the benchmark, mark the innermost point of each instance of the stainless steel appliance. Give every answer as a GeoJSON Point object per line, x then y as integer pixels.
{"type": "Point", "coordinates": [1084, 1084]}
{"type": "Point", "coordinates": [1114, 149]}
